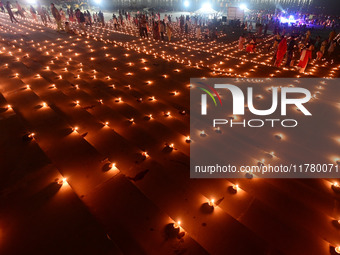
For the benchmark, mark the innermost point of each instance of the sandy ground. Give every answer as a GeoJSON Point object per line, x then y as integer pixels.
{"type": "Point", "coordinates": [125, 208]}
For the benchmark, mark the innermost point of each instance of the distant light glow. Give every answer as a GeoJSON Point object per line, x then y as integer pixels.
{"type": "Point", "coordinates": [186, 3]}
{"type": "Point", "coordinates": [290, 20]}
{"type": "Point", "coordinates": [206, 6]}
{"type": "Point", "coordinates": [243, 6]}
{"type": "Point", "coordinates": [31, 1]}
{"type": "Point", "coordinates": [98, 1]}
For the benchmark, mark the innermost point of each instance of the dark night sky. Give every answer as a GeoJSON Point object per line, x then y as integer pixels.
{"type": "Point", "coordinates": [329, 5]}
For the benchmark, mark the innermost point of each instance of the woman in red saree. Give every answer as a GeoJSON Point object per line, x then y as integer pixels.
{"type": "Point", "coordinates": [306, 55]}
{"type": "Point", "coordinates": [281, 52]}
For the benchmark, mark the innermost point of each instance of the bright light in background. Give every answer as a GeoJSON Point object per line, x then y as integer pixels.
{"type": "Point", "coordinates": [31, 1]}
{"type": "Point", "coordinates": [290, 20]}
{"type": "Point", "coordinates": [98, 1]}
{"type": "Point", "coordinates": [243, 6]}
{"type": "Point", "coordinates": [186, 3]}
{"type": "Point", "coordinates": [206, 6]}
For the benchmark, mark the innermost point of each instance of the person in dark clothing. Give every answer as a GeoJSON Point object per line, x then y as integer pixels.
{"type": "Point", "coordinates": [2, 7]}
{"type": "Point", "coordinates": [290, 50]}
{"type": "Point", "coordinates": [10, 13]}
{"type": "Point", "coordinates": [81, 20]}
{"type": "Point", "coordinates": [143, 25]}
{"type": "Point", "coordinates": [265, 30]}
{"type": "Point", "coordinates": [101, 18]}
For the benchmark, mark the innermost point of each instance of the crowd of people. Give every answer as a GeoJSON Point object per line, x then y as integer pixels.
{"type": "Point", "coordinates": [295, 49]}
{"type": "Point", "coordinates": [62, 21]}
{"type": "Point", "coordinates": [293, 45]}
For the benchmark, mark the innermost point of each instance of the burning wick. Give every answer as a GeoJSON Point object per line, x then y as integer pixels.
{"type": "Point", "coordinates": [177, 225]}
{"type": "Point", "coordinates": [235, 187]}
{"type": "Point", "coordinates": [337, 249]}
{"type": "Point", "coordinates": [63, 181]}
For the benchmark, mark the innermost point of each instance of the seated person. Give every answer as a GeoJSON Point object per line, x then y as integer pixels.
{"type": "Point", "coordinates": [68, 29]}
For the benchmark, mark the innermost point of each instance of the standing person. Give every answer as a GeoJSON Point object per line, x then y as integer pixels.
{"type": "Point", "coordinates": [81, 20]}
{"type": "Point", "coordinates": [115, 22]}
{"type": "Point", "coordinates": [206, 33]}
{"type": "Point", "coordinates": [155, 30]}
{"type": "Point", "coordinates": [322, 50]}
{"type": "Point", "coordinates": [281, 51]}
{"type": "Point", "coordinates": [2, 7]}
{"type": "Point", "coordinates": [317, 43]}
{"type": "Point", "coordinates": [101, 18]}
{"type": "Point", "coordinates": [71, 15]}
{"type": "Point", "coordinates": [95, 17]}
{"type": "Point", "coordinates": [331, 36]}
{"type": "Point", "coordinates": [260, 29]}
{"type": "Point", "coordinates": [250, 27]}
{"type": "Point", "coordinates": [42, 14]}
{"type": "Point", "coordinates": [162, 29]}
{"type": "Point", "coordinates": [57, 17]}
{"type": "Point", "coordinates": [241, 41]}
{"type": "Point", "coordinates": [77, 14]}
{"type": "Point", "coordinates": [45, 12]}
{"type": "Point", "coordinates": [265, 30]}
{"type": "Point", "coordinates": [198, 32]}
{"type": "Point", "coordinates": [290, 51]}
{"type": "Point", "coordinates": [89, 16]}
{"type": "Point", "coordinates": [20, 11]}
{"type": "Point", "coordinates": [33, 13]}
{"type": "Point", "coordinates": [143, 24]}
{"type": "Point", "coordinates": [168, 31]}
{"type": "Point", "coordinates": [181, 23]}
{"type": "Point", "coordinates": [306, 55]}
{"type": "Point", "coordinates": [10, 13]}
{"type": "Point", "coordinates": [62, 15]}
{"type": "Point", "coordinates": [331, 48]}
